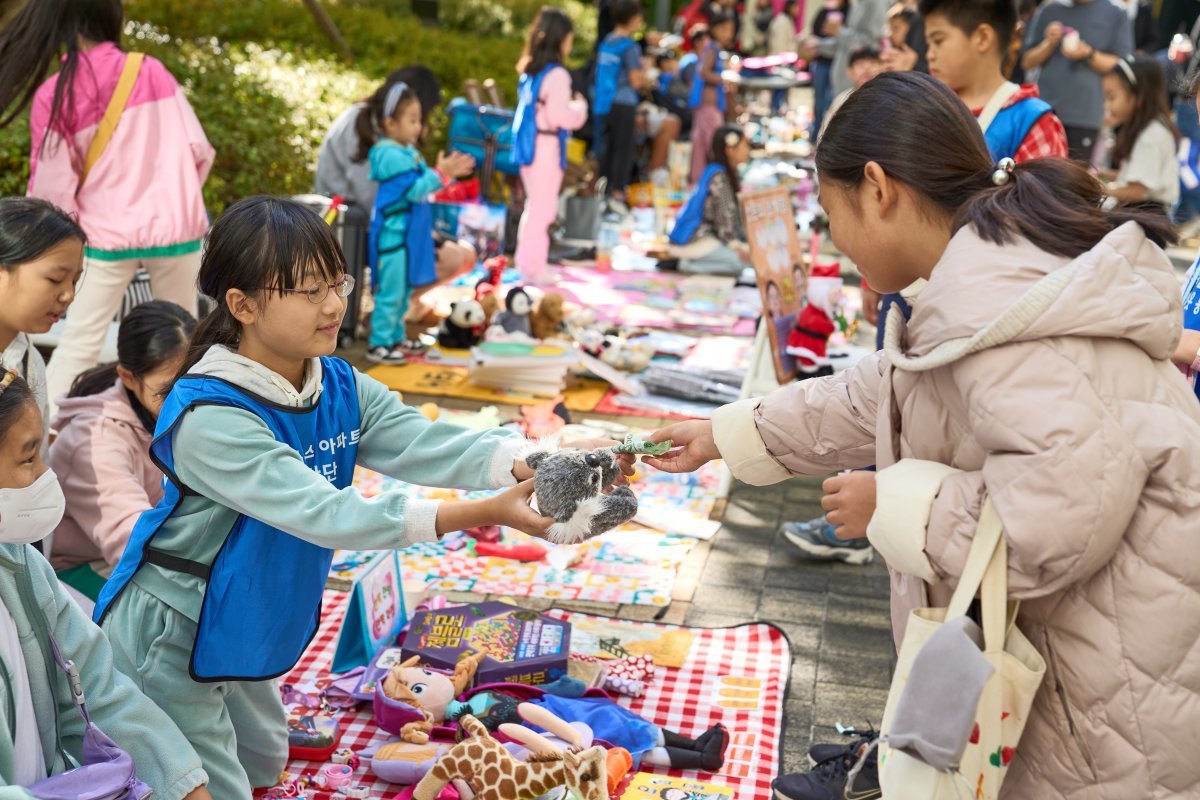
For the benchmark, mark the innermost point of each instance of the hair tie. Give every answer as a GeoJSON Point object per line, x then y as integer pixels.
{"type": "Point", "coordinates": [6, 381]}
{"type": "Point", "coordinates": [393, 98]}
{"type": "Point", "coordinates": [1128, 71]}
{"type": "Point", "coordinates": [732, 138]}
{"type": "Point", "coordinates": [1003, 172]}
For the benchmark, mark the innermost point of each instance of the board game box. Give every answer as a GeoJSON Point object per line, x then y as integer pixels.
{"type": "Point", "coordinates": [522, 646]}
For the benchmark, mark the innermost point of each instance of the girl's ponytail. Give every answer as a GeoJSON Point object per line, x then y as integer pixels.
{"type": "Point", "coordinates": [151, 336]}
{"type": "Point", "coordinates": [369, 122]}
{"type": "Point", "coordinates": [94, 381]}
{"type": "Point", "coordinates": [219, 327]}
{"type": "Point", "coordinates": [1055, 204]}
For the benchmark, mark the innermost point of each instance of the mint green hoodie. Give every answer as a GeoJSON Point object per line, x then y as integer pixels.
{"type": "Point", "coordinates": [233, 464]}
{"type": "Point", "coordinates": [38, 604]}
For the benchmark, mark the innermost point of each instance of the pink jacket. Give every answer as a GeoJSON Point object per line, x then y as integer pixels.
{"type": "Point", "coordinates": [142, 198]}
{"type": "Point", "coordinates": [557, 108]}
{"type": "Point", "coordinates": [102, 458]}
{"type": "Point", "coordinates": [1045, 383]}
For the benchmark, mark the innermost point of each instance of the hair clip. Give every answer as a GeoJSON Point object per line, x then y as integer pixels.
{"type": "Point", "coordinates": [732, 138]}
{"type": "Point", "coordinates": [1127, 69]}
{"type": "Point", "coordinates": [1003, 172]}
{"type": "Point", "coordinates": [6, 381]}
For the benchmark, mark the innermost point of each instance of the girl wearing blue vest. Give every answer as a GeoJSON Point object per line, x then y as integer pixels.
{"type": "Point", "coordinates": [707, 97]}
{"type": "Point", "coordinates": [709, 236]}
{"type": "Point", "coordinates": [42, 732]}
{"type": "Point", "coordinates": [400, 248]}
{"type": "Point", "coordinates": [546, 111]}
{"type": "Point", "coordinates": [219, 589]}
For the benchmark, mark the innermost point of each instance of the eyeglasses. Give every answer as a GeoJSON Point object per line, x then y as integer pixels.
{"type": "Point", "coordinates": [317, 294]}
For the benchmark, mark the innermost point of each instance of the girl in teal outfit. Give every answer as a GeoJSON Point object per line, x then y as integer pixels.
{"type": "Point", "coordinates": [41, 731]}
{"type": "Point", "coordinates": [401, 251]}
{"type": "Point", "coordinates": [258, 368]}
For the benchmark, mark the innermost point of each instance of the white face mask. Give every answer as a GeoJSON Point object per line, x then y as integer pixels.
{"type": "Point", "coordinates": [31, 514]}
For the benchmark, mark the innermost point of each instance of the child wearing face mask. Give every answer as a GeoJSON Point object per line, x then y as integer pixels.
{"type": "Point", "coordinates": [401, 247]}
{"type": "Point", "coordinates": [102, 452]}
{"type": "Point", "coordinates": [219, 588]}
{"type": "Point", "coordinates": [40, 726]}
{"type": "Point", "coordinates": [709, 236]}
{"type": "Point", "coordinates": [41, 260]}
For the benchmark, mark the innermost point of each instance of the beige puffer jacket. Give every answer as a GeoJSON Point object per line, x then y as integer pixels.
{"type": "Point", "coordinates": [1047, 383]}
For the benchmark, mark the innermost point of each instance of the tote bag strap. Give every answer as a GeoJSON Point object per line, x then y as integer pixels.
{"type": "Point", "coordinates": [112, 114]}
{"type": "Point", "coordinates": [996, 103]}
{"type": "Point", "coordinates": [988, 535]}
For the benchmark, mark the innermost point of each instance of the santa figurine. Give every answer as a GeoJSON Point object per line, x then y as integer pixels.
{"type": "Point", "coordinates": [809, 340]}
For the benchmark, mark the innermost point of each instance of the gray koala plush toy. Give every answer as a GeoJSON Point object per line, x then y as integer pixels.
{"type": "Point", "coordinates": [570, 484]}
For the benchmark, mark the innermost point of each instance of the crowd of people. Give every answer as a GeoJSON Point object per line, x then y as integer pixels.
{"type": "Point", "coordinates": [1035, 352]}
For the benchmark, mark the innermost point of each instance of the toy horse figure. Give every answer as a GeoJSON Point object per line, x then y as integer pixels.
{"type": "Point", "coordinates": [482, 765]}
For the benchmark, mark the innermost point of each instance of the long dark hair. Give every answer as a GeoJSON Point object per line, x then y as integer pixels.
{"type": "Point", "coordinates": [1149, 88]}
{"type": "Point", "coordinates": [29, 227]}
{"type": "Point", "coordinates": [13, 400]}
{"type": "Point", "coordinates": [369, 122]}
{"type": "Point", "coordinates": [1053, 203]}
{"type": "Point", "coordinates": [718, 151]}
{"type": "Point", "coordinates": [543, 47]}
{"type": "Point", "coordinates": [151, 335]}
{"type": "Point", "coordinates": [256, 243]}
{"type": "Point", "coordinates": [39, 32]}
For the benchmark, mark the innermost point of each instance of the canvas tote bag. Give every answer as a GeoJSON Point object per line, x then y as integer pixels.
{"type": "Point", "coordinates": [1007, 695]}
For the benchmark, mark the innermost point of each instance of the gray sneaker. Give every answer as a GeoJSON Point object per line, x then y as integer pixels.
{"type": "Point", "coordinates": [815, 541]}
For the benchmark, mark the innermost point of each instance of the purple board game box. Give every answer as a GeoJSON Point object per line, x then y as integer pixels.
{"type": "Point", "coordinates": [522, 646]}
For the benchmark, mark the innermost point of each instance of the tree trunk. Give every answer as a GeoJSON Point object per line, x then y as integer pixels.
{"type": "Point", "coordinates": [329, 28]}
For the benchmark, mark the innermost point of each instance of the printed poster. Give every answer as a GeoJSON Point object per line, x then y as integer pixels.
{"type": "Point", "coordinates": [779, 268]}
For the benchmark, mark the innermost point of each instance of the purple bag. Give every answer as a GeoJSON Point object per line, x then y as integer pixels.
{"type": "Point", "coordinates": [108, 772]}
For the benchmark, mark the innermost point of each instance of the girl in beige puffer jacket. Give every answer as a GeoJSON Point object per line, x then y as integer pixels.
{"type": "Point", "coordinates": [1036, 365]}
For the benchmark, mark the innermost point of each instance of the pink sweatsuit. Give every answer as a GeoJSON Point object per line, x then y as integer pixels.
{"type": "Point", "coordinates": [543, 178]}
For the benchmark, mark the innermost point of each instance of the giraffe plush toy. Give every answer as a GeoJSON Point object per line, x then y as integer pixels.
{"type": "Point", "coordinates": [480, 765]}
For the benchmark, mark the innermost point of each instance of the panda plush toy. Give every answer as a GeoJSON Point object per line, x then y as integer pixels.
{"type": "Point", "coordinates": [464, 327]}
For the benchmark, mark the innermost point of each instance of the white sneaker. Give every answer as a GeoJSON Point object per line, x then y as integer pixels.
{"type": "Point", "coordinates": [391, 356]}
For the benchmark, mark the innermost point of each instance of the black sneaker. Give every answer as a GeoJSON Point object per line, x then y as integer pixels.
{"type": "Point", "coordinates": [823, 752]}
{"type": "Point", "coordinates": [827, 781]}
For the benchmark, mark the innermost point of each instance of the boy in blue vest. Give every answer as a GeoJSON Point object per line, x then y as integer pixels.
{"type": "Point", "coordinates": [968, 40]}
{"type": "Point", "coordinates": [619, 77]}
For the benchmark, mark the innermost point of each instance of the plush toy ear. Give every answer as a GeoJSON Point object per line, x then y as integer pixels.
{"type": "Point", "coordinates": [535, 459]}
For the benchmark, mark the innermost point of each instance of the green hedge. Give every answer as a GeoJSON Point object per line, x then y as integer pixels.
{"type": "Point", "coordinates": [266, 84]}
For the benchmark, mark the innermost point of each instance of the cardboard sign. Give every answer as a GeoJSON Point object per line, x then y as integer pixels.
{"type": "Point", "coordinates": [779, 268]}
{"type": "Point", "coordinates": [375, 615]}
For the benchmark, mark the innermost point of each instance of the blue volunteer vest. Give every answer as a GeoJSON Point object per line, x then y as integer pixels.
{"type": "Point", "coordinates": [418, 237]}
{"type": "Point", "coordinates": [688, 221]}
{"type": "Point", "coordinates": [696, 97]}
{"type": "Point", "coordinates": [525, 129]}
{"type": "Point", "coordinates": [1011, 125]}
{"type": "Point", "coordinates": [262, 601]}
{"type": "Point", "coordinates": [609, 68]}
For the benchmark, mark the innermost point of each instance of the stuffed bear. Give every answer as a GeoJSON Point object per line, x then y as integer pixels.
{"type": "Point", "coordinates": [547, 320]}
{"type": "Point", "coordinates": [569, 485]}
{"type": "Point", "coordinates": [464, 327]}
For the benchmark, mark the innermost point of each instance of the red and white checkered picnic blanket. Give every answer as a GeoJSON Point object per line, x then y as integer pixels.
{"type": "Point", "coordinates": [737, 676]}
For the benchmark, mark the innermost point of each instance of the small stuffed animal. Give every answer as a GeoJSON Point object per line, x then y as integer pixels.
{"type": "Point", "coordinates": [491, 772]}
{"type": "Point", "coordinates": [515, 317]}
{"type": "Point", "coordinates": [547, 320]}
{"type": "Point", "coordinates": [464, 327]}
{"type": "Point", "coordinates": [570, 484]}
{"type": "Point", "coordinates": [630, 355]}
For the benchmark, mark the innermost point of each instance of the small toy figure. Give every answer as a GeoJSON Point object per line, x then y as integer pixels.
{"type": "Point", "coordinates": [346, 756]}
{"type": "Point", "coordinates": [809, 339]}
{"type": "Point", "coordinates": [570, 486]}
{"type": "Point", "coordinates": [514, 319]}
{"type": "Point", "coordinates": [411, 700]}
{"type": "Point", "coordinates": [547, 321]}
{"type": "Point", "coordinates": [509, 779]}
{"type": "Point", "coordinates": [630, 355]}
{"type": "Point", "coordinates": [464, 327]}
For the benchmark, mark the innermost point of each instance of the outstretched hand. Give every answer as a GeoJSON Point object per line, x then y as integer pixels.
{"type": "Point", "coordinates": [511, 509]}
{"type": "Point", "coordinates": [693, 447]}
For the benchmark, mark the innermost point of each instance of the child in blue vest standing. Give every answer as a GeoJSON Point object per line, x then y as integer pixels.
{"type": "Point", "coordinates": [619, 77]}
{"type": "Point", "coordinates": [709, 236]}
{"type": "Point", "coordinates": [401, 249]}
{"type": "Point", "coordinates": [707, 97]}
{"type": "Point", "coordinates": [219, 589]}
{"type": "Point", "coordinates": [546, 112]}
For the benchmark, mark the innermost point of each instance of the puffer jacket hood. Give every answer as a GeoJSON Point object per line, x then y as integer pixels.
{"type": "Point", "coordinates": [1123, 288]}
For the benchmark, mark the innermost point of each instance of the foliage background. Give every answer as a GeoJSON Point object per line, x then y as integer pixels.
{"type": "Point", "coordinates": [266, 83]}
